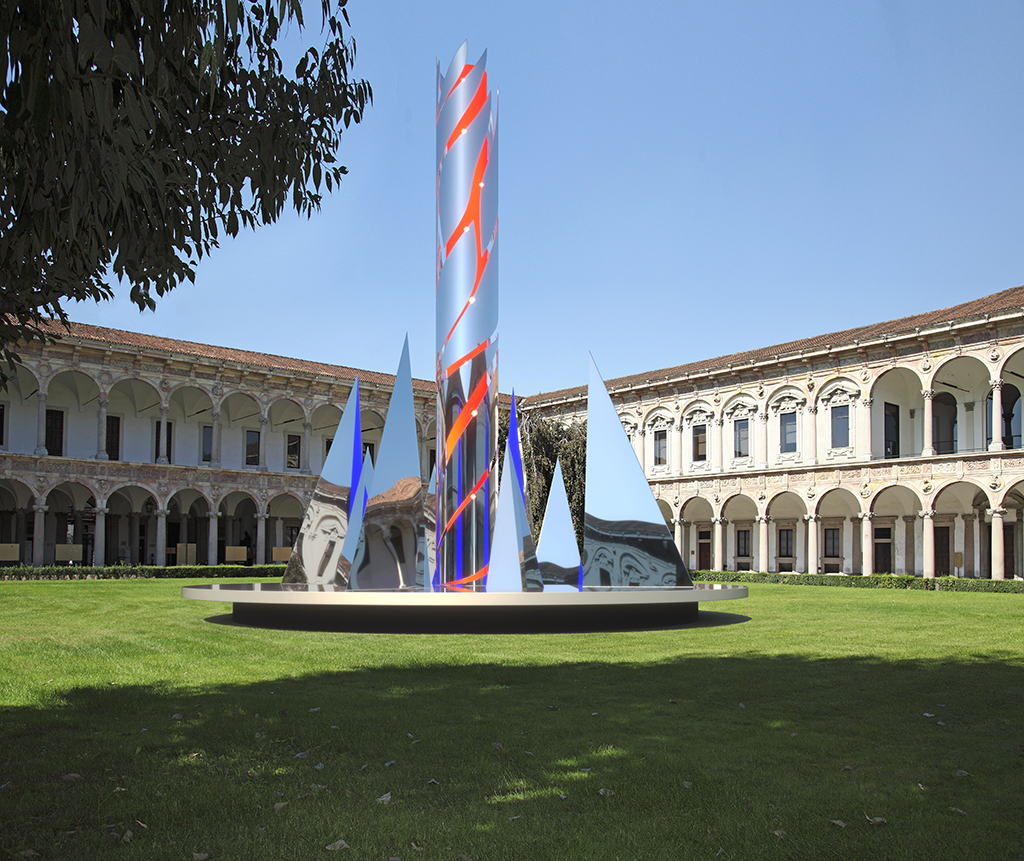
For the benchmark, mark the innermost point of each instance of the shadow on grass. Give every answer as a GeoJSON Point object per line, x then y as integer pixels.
{"type": "Point", "coordinates": [738, 757]}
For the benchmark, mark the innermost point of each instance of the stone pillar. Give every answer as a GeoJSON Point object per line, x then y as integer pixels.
{"type": "Point", "coordinates": [718, 562]}
{"type": "Point", "coordinates": [716, 444]}
{"type": "Point", "coordinates": [99, 540]}
{"type": "Point", "coordinates": [39, 533]}
{"type": "Point", "coordinates": [161, 536]}
{"type": "Point", "coordinates": [863, 441]}
{"type": "Point", "coordinates": [928, 450]}
{"type": "Point", "coordinates": [278, 531]}
{"type": "Point", "coordinates": [101, 447]}
{"type": "Point", "coordinates": [811, 432]}
{"type": "Point", "coordinates": [133, 538]}
{"type": "Point", "coordinates": [969, 543]}
{"type": "Point", "coordinates": [639, 440]}
{"type": "Point", "coordinates": [867, 545]}
{"type": "Point", "coordinates": [215, 454]}
{"type": "Point", "coordinates": [998, 562]}
{"type": "Point", "coordinates": [261, 538]}
{"type": "Point", "coordinates": [928, 544]}
{"type": "Point", "coordinates": [684, 530]}
{"type": "Point", "coordinates": [909, 531]}
{"type": "Point", "coordinates": [211, 550]}
{"type": "Point", "coordinates": [263, 443]}
{"type": "Point", "coordinates": [997, 419]}
{"type": "Point", "coordinates": [161, 453]}
{"type": "Point", "coordinates": [678, 523]}
{"type": "Point", "coordinates": [761, 442]}
{"type": "Point", "coordinates": [41, 425]}
{"type": "Point", "coordinates": [812, 542]}
{"type": "Point", "coordinates": [307, 449]}
{"type": "Point", "coordinates": [762, 543]}
{"type": "Point", "coordinates": [677, 445]}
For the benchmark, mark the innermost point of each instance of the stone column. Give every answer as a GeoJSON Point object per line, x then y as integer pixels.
{"type": "Point", "coordinates": [928, 450]}
{"type": "Point", "coordinates": [278, 532]}
{"type": "Point", "coordinates": [307, 448]}
{"type": "Point", "coordinates": [863, 441]}
{"type": "Point", "coordinates": [133, 538]}
{"type": "Point", "coordinates": [678, 524]}
{"type": "Point", "coordinates": [812, 543]}
{"type": "Point", "coordinates": [718, 562]}
{"type": "Point", "coordinates": [761, 442]}
{"type": "Point", "coordinates": [997, 418]}
{"type": "Point", "coordinates": [161, 536]}
{"type": "Point", "coordinates": [910, 533]}
{"type": "Point", "coordinates": [215, 454]}
{"type": "Point", "coordinates": [639, 441]}
{"type": "Point", "coordinates": [263, 443]}
{"type": "Point", "coordinates": [41, 425]}
{"type": "Point", "coordinates": [716, 444]}
{"type": "Point", "coordinates": [211, 555]}
{"type": "Point", "coordinates": [684, 531]}
{"type": "Point", "coordinates": [261, 538]}
{"type": "Point", "coordinates": [677, 444]}
{"type": "Point", "coordinates": [161, 453]}
{"type": "Point", "coordinates": [928, 544]}
{"type": "Point", "coordinates": [998, 562]}
{"type": "Point", "coordinates": [39, 533]}
{"type": "Point", "coordinates": [867, 545]}
{"type": "Point", "coordinates": [101, 447]}
{"type": "Point", "coordinates": [762, 543]}
{"type": "Point", "coordinates": [969, 542]}
{"type": "Point", "coordinates": [811, 431]}
{"type": "Point", "coordinates": [99, 541]}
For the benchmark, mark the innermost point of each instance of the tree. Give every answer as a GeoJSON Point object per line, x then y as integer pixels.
{"type": "Point", "coordinates": [134, 132]}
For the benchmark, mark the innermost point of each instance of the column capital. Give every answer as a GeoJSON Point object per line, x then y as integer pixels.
{"type": "Point", "coordinates": [213, 515]}
{"type": "Point", "coordinates": [263, 420]}
{"type": "Point", "coordinates": [866, 516]}
{"type": "Point", "coordinates": [101, 512]}
{"type": "Point", "coordinates": [867, 402]}
{"type": "Point", "coordinates": [215, 414]}
{"type": "Point", "coordinates": [103, 401]}
{"type": "Point", "coordinates": [812, 518]}
{"type": "Point", "coordinates": [307, 426]}
{"type": "Point", "coordinates": [40, 507]}
{"type": "Point", "coordinates": [927, 394]}
{"type": "Point", "coordinates": [719, 520]}
{"type": "Point", "coordinates": [968, 518]}
{"type": "Point", "coordinates": [995, 512]}
{"type": "Point", "coordinates": [764, 518]}
{"type": "Point", "coordinates": [262, 516]}
{"type": "Point", "coordinates": [813, 409]}
{"type": "Point", "coordinates": [162, 512]}
{"type": "Point", "coordinates": [996, 384]}
{"type": "Point", "coordinates": [163, 411]}
{"type": "Point", "coordinates": [927, 515]}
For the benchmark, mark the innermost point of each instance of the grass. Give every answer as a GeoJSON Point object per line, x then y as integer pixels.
{"type": "Point", "coordinates": [749, 735]}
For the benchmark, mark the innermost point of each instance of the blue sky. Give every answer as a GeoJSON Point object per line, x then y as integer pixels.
{"type": "Point", "coordinates": [677, 181]}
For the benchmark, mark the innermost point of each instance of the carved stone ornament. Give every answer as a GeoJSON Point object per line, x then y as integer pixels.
{"type": "Point", "coordinates": [811, 493]}
{"type": "Point", "coordinates": [810, 384]}
{"type": "Point", "coordinates": [43, 369]}
{"type": "Point", "coordinates": [105, 378]}
{"type": "Point", "coordinates": [865, 375]}
{"type": "Point", "coordinates": [926, 365]}
{"type": "Point", "coordinates": [926, 487]}
{"type": "Point", "coordinates": [162, 489]}
{"type": "Point", "coordinates": [217, 389]}
{"type": "Point", "coordinates": [307, 403]}
{"type": "Point", "coordinates": [760, 390]}
{"type": "Point", "coordinates": [165, 384]}
{"type": "Point", "coordinates": [994, 355]}
{"type": "Point", "coordinates": [996, 482]}
{"type": "Point", "coordinates": [865, 490]}
{"type": "Point", "coordinates": [699, 416]}
{"type": "Point", "coordinates": [265, 398]}
{"type": "Point", "coordinates": [762, 496]}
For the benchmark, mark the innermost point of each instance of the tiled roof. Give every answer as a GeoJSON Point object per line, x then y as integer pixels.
{"type": "Point", "coordinates": [248, 358]}
{"type": "Point", "coordinates": [1007, 300]}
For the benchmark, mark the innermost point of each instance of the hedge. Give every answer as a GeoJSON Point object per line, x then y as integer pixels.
{"type": "Point", "coordinates": [138, 572]}
{"type": "Point", "coordinates": [872, 581]}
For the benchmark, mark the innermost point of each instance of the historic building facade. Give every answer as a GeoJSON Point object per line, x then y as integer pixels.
{"type": "Point", "coordinates": [894, 447]}
{"type": "Point", "coordinates": [122, 447]}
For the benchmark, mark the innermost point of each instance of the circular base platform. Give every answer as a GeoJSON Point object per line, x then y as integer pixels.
{"type": "Point", "coordinates": [277, 605]}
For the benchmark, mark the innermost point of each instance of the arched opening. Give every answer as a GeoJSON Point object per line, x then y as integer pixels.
{"type": "Point", "coordinates": [1010, 420]}
{"type": "Point", "coordinates": [697, 515]}
{"type": "Point", "coordinates": [190, 419]}
{"type": "Point", "coordinates": [15, 517]}
{"type": "Point", "coordinates": [958, 524]}
{"type": "Point", "coordinates": [188, 528]}
{"type": "Point", "coordinates": [897, 414]}
{"type": "Point", "coordinates": [944, 436]}
{"type": "Point", "coordinates": [740, 513]}
{"type": "Point", "coordinates": [895, 533]}
{"type": "Point", "coordinates": [71, 407]}
{"type": "Point", "coordinates": [133, 412]}
{"type": "Point", "coordinates": [838, 532]}
{"type": "Point", "coordinates": [286, 450]}
{"type": "Point", "coordinates": [69, 525]}
{"type": "Point", "coordinates": [131, 527]}
{"type": "Point", "coordinates": [787, 538]}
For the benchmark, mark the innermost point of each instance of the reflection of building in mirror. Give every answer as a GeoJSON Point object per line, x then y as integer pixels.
{"type": "Point", "coordinates": [317, 557]}
{"type": "Point", "coordinates": [630, 553]}
{"type": "Point", "coordinates": [389, 555]}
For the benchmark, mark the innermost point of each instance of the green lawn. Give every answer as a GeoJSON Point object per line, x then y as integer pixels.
{"type": "Point", "coordinates": [751, 735]}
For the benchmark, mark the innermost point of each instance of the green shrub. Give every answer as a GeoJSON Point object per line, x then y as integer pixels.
{"type": "Point", "coordinates": [138, 572]}
{"type": "Point", "coordinates": [873, 581]}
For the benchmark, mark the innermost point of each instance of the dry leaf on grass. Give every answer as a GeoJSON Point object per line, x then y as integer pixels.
{"type": "Point", "coordinates": [496, 745]}
{"type": "Point", "coordinates": [838, 822]}
{"type": "Point", "coordinates": [177, 717]}
{"type": "Point", "coordinates": [957, 810]}
{"type": "Point", "coordinates": [780, 833]}
{"type": "Point", "coordinates": [281, 805]}
{"type": "Point", "coordinates": [337, 844]}
{"type": "Point", "coordinates": [385, 798]}
{"type": "Point", "coordinates": [127, 836]}
{"type": "Point", "coordinates": [607, 793]}
{"type": "Point", "coordinates": [875, 820]}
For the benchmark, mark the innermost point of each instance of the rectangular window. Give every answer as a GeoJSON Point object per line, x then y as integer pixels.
{"type": "Point", "coordinates": [432, 458]}
{"type": "Point", "coordinates": [833, 545]}
{"type": "Point", "coordinates": [293, 451]}
{"type": "Point", "coordinates": [55, 432]}
{"type": "Point", "coordinates": [892, 430]}
{"type": "Point", "coordinates": [113, 437]}
{"type": "Point", "coordinates": [207, 452]}
{"type": "Point", "coordinates": [841, 426]}
{"type": "Point", "coordinates": [660, 448]}
{"type": "Point", "coordinates": [700, 442]}
{"type": "Point", "coordinates": [743, 542]}
{"type": "Point", "coordinates": [741, 437]}
{"type": "Point", "coordinates": [786, 543]}
{"type": "Point", "coordinates": [3, 424]}
{"type": "Point", "coordinates": [787, 432]}
{"type": "Point", "coordinates": [368, 450]}
{"type": "Point", "coordinates": [252, 448]}
{"type": "Point", "coordinates": [327, 446]}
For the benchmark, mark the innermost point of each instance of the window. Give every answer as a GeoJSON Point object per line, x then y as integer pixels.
{"type": "Point", "coordinates": [293, 451]}
{"type": "Point", "coordinates": [368, 451]}
{"type": "Point", "coordinates": [786, 543]}
{"type": "Point", "coordinates": [741, 438]}
{"type": "Point", "coordinates": [892, 430]}
{"type": "Point", "coordinates": [660, 448]}
{"type": "Point", "coordinates": [113, 437]}
{"type": "Point", "coordinates": [207, 440]}
{"type": "Point", "coordinates": [432, 459]}
{"type": "Point", "coordinates": [160, 452]}
{"type": "Point", "coordinates": [700, 442]}
{"type": "Point", "coordinates": [327, 446]}
{"type": "Point", "coordinates": [55, 432]}
{"type": "Point", "coordinates": [743, 542]}
{"type": "Point", "coordinates": [787, 432]}
{"type": "Point", "coordinates": [3, 416]}
{"type": "Point", "coordinates": [252, 448]}
{"type": "Point", "coordinates": [833, 543]}
{"type": "Point", "coordinates": [841, 426]}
